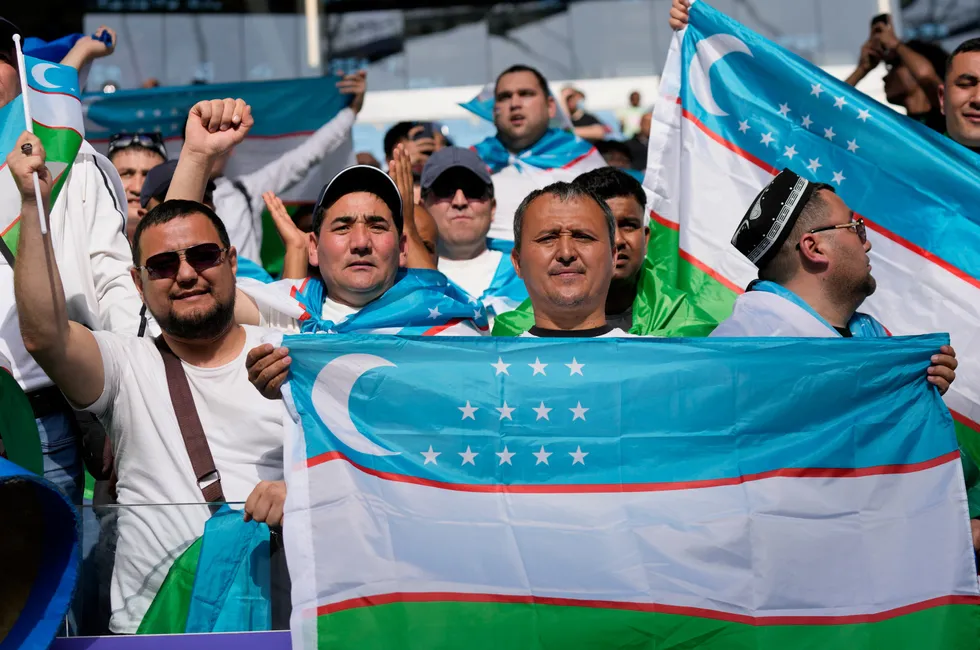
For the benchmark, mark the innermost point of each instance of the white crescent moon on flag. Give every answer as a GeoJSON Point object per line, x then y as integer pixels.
{"type": "Point", "coordinates": [709, 51]}
{"type": "Point", "coordinates": [38, 73]}
{"type": "Point", "coordinates": [331, 399]}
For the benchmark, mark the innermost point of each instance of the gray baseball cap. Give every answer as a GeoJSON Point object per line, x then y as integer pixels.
{"type": "Point", "coordinates": [450, 158]}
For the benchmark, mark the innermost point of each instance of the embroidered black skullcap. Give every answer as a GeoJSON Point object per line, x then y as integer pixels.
{"type": "Point", "coordinates": [771, 217]}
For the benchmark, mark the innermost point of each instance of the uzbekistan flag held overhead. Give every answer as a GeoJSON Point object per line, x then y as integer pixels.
{"type": "Point", "coordinates": [504, 493]}
{"type": "Point", "coordinates": [736, 108]}
{"type": "Point", "coordinates": [57, 117]}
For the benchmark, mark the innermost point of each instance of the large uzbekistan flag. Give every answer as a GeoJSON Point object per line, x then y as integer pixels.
{"type": "Point", "coordinates": [736, 108]}
{"type": "Point", "coordinates": [713, 494]}
{"type": "Point", "coordinates": [57, 116]}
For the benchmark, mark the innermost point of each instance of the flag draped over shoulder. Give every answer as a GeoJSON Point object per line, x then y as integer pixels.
{"type": "Point", "coordinates": [736, 108]}
{"type": "Point", "coordinates": [57, 116]}
{"type": "Point", "coordinates": [492, 493]}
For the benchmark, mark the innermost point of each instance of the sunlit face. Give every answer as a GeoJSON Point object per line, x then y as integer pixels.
{"type": "Point", "coordinates": [193, 304]}
{"type": "Point", "coordinates": [849, 268]}
{"type": "Point", "coordinates": [462, 207]}
{"type": "Point", "coordinates": [565, 256]}
{"type": "Point", "coordinates": [357, 249]}
{"type": "Point", "coordinates": [133, 164]}
{"type": "Point", "coordinates": [522, 110]}
{"type": "Point", "coordinates": [960, 97]}
{"type": "Point", "coordinates": [631, 236]}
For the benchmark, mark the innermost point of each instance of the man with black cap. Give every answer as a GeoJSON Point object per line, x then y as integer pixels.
{"type": "Point", "coordinates": [87, 235]}
{"type": "Point", "coordinates": [458, 193]}
{"type": "Point", "coordinates": [812, 255]}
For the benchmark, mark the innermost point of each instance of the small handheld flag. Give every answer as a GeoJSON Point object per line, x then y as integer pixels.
{"type": "Point", "coordinates": [30, 129]}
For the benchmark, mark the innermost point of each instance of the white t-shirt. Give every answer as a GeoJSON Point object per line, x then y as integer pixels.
{"type": "Point", "coordinates": [332, 310]}
{"type": "Point", "coordinates": [245, 434]}
{"type": "Point", "coordinates": [473, 276]}
{"type": "Point", "coordinates": [613, 333]}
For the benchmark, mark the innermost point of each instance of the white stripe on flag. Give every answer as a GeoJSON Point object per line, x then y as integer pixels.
{"type": "Point", "coordinates": [772, 547]}
{"type": "Point", "coordinates": [57, 110]}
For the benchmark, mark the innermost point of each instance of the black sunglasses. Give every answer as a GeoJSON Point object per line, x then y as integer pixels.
{"type": "Point", "coordinates": [857, 225]}
{"type": "Point", "coordinates": [166, 265]}
{"type": "Point", "coordinates": [151, 141]}
{"type": "Point", "coordinates": [473, 189]}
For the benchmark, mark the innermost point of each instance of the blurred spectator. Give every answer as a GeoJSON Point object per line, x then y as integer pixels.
{"type": "Point", "coordinates": [152, 82]}
{"type": "Point", "coordinates": [615, 153]}
{"type": "Point", "coordinates": [239, 200]}
{"type": "Point", "coordinates": [586, 125]}
{"type": "Point", "coordinates": [134, 155]}
{"type": "Point", "coordinates": [421, 140]}
{"type": "Point", "coordinates": [303, 217]}
{"type": "Point", "coordinates": [157, 185]}
{"type": "Point", "coordinates": [915, 72]}
{"type": "Point", "coordinates": [960, 95]}
{"type": "Point", "coordinates": [365, 158]}
{"type": "Point", "coordinates": [629, 117]}
{"type": "Point", "coordinates": [640, 143]}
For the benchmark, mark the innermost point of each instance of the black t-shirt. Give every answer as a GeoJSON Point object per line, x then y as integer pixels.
{"type": "Point", "coordinates": [587, 119]}
{"type": "Point", "coordinates": [545, 333]}
{"type": "Point", "coordinates": [934, 119]}
{"type": "Point", "coordinates": [843, 331]}
{"type": "Point", "coordinates": [639, 153]}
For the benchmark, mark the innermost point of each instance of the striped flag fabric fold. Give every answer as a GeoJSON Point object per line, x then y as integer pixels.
{"type": "Point", "coordinates": [503, 493]}
{"type": "Point", "coordinates": [736, 108]}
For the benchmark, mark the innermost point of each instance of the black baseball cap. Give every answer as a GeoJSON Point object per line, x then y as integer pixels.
{"type": "Point", "coordinates": [157, 184]}
{"type": "Point", "coordinates": [450, 158]}
{"type": "Point", "coordinates": [359, 178]}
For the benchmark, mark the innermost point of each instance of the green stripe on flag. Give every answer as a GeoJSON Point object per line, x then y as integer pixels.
{"type": "Point", "coordinates": [707, 293]}
{"type": "Point", "coordinates": [168, 611]}
{"type": "Point", "coordinates": [497, 626]}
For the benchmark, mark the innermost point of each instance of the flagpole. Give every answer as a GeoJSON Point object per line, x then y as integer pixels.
{"type": "Point", "coordinates": [24, 88]}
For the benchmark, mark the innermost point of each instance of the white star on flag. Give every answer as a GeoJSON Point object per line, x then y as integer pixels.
{"type": "Point", "coordinates": [816, 89]}
{"type": "Point", "coordinates": [174, 112]}
{"type": "Point", "coordinates": [743, 126]}
{"type": "Point", "coordinates": [538, 367]}
{"type": "Point", "coordinates": [468, 411]}
{"type": "Point", "coordinates": [157, 112]}
{"type": "Point", "coordinates": [784, 109]}
{"type": "Point", "coordinates": [839, 176]}
{"type": "Point", "coordinates": [542, 412]}
{"type": "Point", "coordinates": [541, 455]}
{"type": "Point", "coordinates": [829, 133]}
{"type": "Point", "coordinates": [174, 126]}
{"type": "Point", "coordinates": [140, 113]}
{"type": "Point", "coordinates": [579, 412]}
{"type": "Point", "coordinates": [500, 367]}
{"type": "Point", "coordinates": [505, 411]}
{"type": "Point", "coordinates": [766, 138]}
{"type": "Point", "coordinates": [434, 312]}
{"type": "Point", "coordinates": [468, 456]}
{"type": "Point", "coordinates": [807, 121]}
{"type": "Point", "coordinates": [505, 456]}
{"type": "Point", "coordinates": [814, 165]}
{"type": "Point", "coordinates": [578, 455]}
{"type": "Point", "coordinates": [863, 114]}
{"type": "Point", "coordinates": [852, 146]}
{"type": "Point", "coordinates": [476, 314]}
{"type": "Point", "coordinates": [430, 456]}
{"type": "Point", "coordinates": [790, 151]}
{"type": "Point", "coordinates": [839, 102]}
{"type": "Point", "coordinates": [575, 368]}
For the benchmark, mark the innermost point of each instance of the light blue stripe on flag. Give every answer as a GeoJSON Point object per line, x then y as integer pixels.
{"type": "Point", "coordinates": [642, 410]}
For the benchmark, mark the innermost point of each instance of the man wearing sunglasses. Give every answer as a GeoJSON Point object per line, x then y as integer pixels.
{"type": "Point", "coordinates": [185, 272]}
{"type": "Point", "coordinates": [814, 273]}
{"type": "Point", "coordinates": [89, 244]}
{"type": "Point", "coordinates": [458, 193]}
{"type": "Point", "coordinates": [134, 155]}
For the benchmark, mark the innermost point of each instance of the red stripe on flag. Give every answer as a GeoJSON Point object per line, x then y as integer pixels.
{"type": "Point", "coordinates": [653, 608]}
{"type": "Point", "coordinates": [579, 159]}
{"type": "Point", "coordinates": [609, 488]}
{"type": "Point", "coordinates": [965, 421]}
{"type": "Point", "coordinates": [901, 241]}
{"type": "Point", "coordinates": [729, 145]}
{"type": "Point", "coordinates": [441, 328]}
{"type": "Point", "coordinates": [673, 225]}
{"type": "Point", "coordinates": [695, 262]}
{"type": "Point", "coordinates": [48, 92]}
{"type": "Point", "coordinates": [11, 226]}
{"type": "Point", "coordinates": [60, 128]}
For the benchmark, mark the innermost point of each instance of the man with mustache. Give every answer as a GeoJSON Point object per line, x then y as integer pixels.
{"type": "Point", "coordinates": [527, 153]}
{"type": "Point", "coordinates": [185, 273]}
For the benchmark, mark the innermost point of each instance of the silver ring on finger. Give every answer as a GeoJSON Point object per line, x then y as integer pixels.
{"type": "Point", "coordinates": [27, 149]}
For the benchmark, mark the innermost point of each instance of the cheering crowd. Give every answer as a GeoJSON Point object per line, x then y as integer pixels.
{"type": "Point", "coordinates": [157, 318]}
